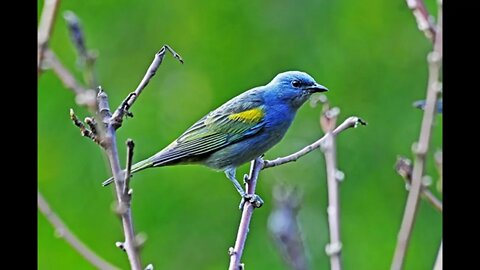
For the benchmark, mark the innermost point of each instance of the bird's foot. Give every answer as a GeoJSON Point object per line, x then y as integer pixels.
{"type": "Point", "coordinates": [254, 199]}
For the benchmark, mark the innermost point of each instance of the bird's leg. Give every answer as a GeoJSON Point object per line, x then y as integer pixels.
{"type": "Point", "coordinates": [230, 173]}
{"type": "Point", "coordinates": [252, 198]}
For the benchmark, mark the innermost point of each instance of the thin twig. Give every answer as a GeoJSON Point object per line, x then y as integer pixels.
{"type": "Point", "coordinates": [351, 122]}
{"type": "Point", "coordinates": [130, 146]}
{"type": "Point", "coordinates": [432, 199]}
{"type": "Point", "coordinates": [132, 97]}
{"type": "Point", "coordinates": [404, 169]}
{"type": "Point", "coordinates": [44, 32]}
{"type": "Point", "coordinates": [251, 183]}
{"type": "Point", "coordinates": [83, 97]}
{"type": "Point", "coordinates": [334, 248]}
{"type": "Point", "coordinates": [83, 130]}
{"type": "Point", "coordinates": [423, 18]}
{"type": "Point", "coordinates": [66, 234]}
{"type": "Point", "coordinates": [45, 29]}
{"type": "Point", "coordinates": [284, 227]}
{"type": "Point", "coordinates": [421, 149]}
{"type": "Point", "coordinates": [439, 262]}
{"type": "Point", "coordinates": [63, 73]}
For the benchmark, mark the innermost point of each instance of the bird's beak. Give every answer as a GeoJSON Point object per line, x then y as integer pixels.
{"type": "Point", "coordinates": [317, 88]}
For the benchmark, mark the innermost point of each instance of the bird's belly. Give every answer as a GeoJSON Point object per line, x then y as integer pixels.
{"type": "Point", "coordinates": [243, 151]}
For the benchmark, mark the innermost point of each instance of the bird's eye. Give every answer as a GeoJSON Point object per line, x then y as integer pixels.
{"type": "Point", "coordinates": [296, 83]}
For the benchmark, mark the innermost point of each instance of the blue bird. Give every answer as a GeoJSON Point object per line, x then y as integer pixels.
{"type": "Point", "coordinates": [240, 130]}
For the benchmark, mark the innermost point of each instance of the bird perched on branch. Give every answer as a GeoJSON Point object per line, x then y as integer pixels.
{"type": "Point", "coordinates": [240, 130]}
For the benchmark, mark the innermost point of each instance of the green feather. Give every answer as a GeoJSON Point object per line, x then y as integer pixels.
{"type": "Point", "coordinates": [214, 131]}
{"type": "Point", "coordinates": [142, 165]}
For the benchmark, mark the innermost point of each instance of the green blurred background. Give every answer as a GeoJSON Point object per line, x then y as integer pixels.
{"type": "Point", "coordinates": [368, 53]}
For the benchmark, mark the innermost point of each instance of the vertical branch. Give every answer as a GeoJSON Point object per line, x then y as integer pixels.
{"type": "Point", "coordinates": [65, 233]}
{"type": "Point", "coordinates": [105, 133]}
{"type": "Point", "coordinates": [106, 138]}
{"type": "Point", "coordinates": [423, 18]}
{"type": "Point", "coordinates": [45, 28]}
{"type": "Point", "coordinates": [251, 183]}
{"type": "Point", "coordinates": [334, 248]}
{"type": "Point", "coordinates": [421, 148]}
{"type": "Point", "coordinates": [124, 199]}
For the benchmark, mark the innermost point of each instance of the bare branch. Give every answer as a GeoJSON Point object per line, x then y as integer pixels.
{"type": "Point", "coordinates": [105, 134]}
{"type": "Point", "coordinates": [83, 97]}
{"type": "Point", "coordinates": [63, 73]}
{"type": "Point", "coordinates": [132, 97]}
{"type": "Point", "coordinates": [334, 248]}
{"type": "Point", "coordinates": [66, 234]}
{"type": "Point", "coordinates": [45, 28]}
{"type": "Point", "coordinates": [424, 19]}
{"type": "Point", "coordinates": [284, 228]}
{"type": "Point", "coordinates": [421, 149]}
{"type": "Point", "coordinates": [404, 169]}
{"type": "Point", "coordinates": [251, 183]}
{"type": "Point", "coordinates": [125, 212]}
{"type": "Point", "coordinates": [351, 122]}
{"type": "Point", "coordinates": [83, 130]}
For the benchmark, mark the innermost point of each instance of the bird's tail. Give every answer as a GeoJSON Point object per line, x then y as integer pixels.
{"type": "Point", "coordinates": [135, 168]}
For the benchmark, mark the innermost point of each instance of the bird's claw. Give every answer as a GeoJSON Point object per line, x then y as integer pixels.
{"type": "Point", "coordinates": [245, 179]}
{"type": "Point", "coordinates": [254, 199]}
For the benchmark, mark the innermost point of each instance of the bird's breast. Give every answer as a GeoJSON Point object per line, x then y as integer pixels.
{"type": "Point", "coordinates": [278, 119]}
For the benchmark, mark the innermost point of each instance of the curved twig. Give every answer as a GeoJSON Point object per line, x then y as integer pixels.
{"type": "Point", "coordinates": [66, 234]}
{"type": "Point", "coordinates": [351, 122]}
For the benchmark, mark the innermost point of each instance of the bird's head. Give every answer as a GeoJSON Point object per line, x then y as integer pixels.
{"type": "Point", "coordinates": [294, 87]}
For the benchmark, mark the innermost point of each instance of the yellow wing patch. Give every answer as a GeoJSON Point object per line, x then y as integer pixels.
{"type": "Point", "coordinates": [250, 116]}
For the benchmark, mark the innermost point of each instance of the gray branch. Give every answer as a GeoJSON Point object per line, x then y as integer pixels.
{"type": "Point", "coordinates": [45, 29]}
{"type": "Point", "coordinates": [66, 234]}
{"type": "Point", "coordinates": [122, 110]}
{"type": "Point", "coordinates": [424, 19]}
{"type": "Point", "coordinates": [334, 248]}
{"type": "Point", "coordinates": [104, 133]}
{"type": "Point", "coordinates": [351, 122]}
{"type": "Point", "coordinates": [421, 148]}
{"type": "Point", "coordinates": [404, 169]}
{"type": "Point", "coordinates": [251, 184]}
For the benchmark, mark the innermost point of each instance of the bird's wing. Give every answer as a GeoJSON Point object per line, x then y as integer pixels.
{"type": "Point", "coordinates": [239, 118]}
